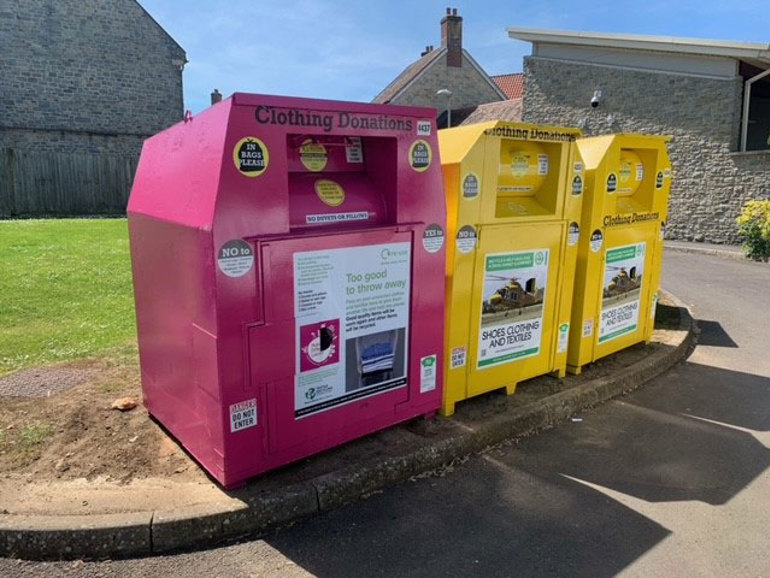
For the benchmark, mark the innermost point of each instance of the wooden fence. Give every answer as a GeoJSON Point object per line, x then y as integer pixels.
{"type": "Point", "coordinates": [43, 183]}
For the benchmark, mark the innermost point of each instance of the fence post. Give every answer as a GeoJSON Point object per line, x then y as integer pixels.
{"type": "Point", "coordinates": [7, 184]}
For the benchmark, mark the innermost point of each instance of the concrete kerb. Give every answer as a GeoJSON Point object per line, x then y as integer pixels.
{"type": "Point", "coordinates": [734, 253]}
{"type": "Point", "coordinates": [137, 534]}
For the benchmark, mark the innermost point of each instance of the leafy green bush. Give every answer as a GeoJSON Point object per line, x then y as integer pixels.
{"type": "Point", "coordinates": [754, 227]}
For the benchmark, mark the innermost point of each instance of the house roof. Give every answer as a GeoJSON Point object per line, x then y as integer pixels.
{"type": "Point", "coordinates": [409, 74]}
{"type": "Point", "coordinates": [163, 30]}
{"type": "Point", "coordinates": [512, 85]}
{"type": "Point", "coordinates": [757, 53]}
{"type": "Point", "coordinates": [509, 110]}
{"type": "Point", "coordinates": [412, 72]}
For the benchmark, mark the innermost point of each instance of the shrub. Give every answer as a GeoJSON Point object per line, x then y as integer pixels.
{"type": "Point", "coordinates": [754, 227]}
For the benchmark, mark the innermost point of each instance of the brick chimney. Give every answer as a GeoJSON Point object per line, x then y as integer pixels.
{"type": "Point", "coordinates": [216, 96]}
{"type": "Point", "coordinates": [452, 37]}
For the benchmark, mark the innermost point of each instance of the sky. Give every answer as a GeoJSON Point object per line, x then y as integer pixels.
{"type": "Point", "coordinates": [352, 49]}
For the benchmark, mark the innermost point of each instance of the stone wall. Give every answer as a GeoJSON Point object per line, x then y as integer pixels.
{"type": "Point", "coordinates": [711, 181]}
{"type": "Point", "coordinates": [469, 88]}
{"type": "Point", "coordinates": [86, 75]}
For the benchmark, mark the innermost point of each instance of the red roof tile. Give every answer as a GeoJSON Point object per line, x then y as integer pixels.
{"type": "Point", "coordinates": [512, 85]}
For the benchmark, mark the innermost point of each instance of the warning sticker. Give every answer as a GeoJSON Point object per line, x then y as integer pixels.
{"type": "Point", "coordinates": [470, 186]}
{"type": "Point", "coordinates": [622, 287]}
{"type": "Point", "coordinates": [466, 239]}
{"type": "Point", "coordinates": [458, 357]}
{"type": "Point", "coordinates": [573, 234]}
{"type": "Point", "coordinates": [612, 183]}
{"type": "Point", "coordinates": [329, 192]}
{"type": "Point", "coordinates": [542, 164]}
{"type": "Point", "coordinates": [250, 156]}
{"type": "Point", "coordinates": [235, 258]}
{"type": "Point", "coordinates": [578, 168]}
{"type": "Point", "coordinates": [588, 327]}
{"type": "Point", "coordinates": [313, 156]}
{"type": "Point", "coordinates": [243, 415]}
{"type": "Point", "coordinates": [420, 156]}
{"type": "Point", "coordinates": [354, 152]}
{"type": "Point", "coordinates": [563, 338]}
{"type": "Point", "coordinates": [639, 172]}
{"type": "Point", "coordinates": [433, 238]}
{"type": "Point", "coordinates": [428, 370]}
{"type": "Point", "coordinates": [659, 180]}
{"type": "Point", "coordinates": [597, 239]}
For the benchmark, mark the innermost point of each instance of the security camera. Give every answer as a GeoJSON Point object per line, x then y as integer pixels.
{"type": "Point", "coordinates": [596, 98]}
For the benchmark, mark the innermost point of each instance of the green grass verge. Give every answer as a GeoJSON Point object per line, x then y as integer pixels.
{"type": "Point", "coordinates": [65, 291]}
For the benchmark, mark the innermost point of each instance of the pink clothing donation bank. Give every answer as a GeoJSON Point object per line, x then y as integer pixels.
{"type": "Point", "coordinates": [288, 263]}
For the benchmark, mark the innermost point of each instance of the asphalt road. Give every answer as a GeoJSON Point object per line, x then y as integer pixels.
{"type": "Point", "coordinates": [671, 480]}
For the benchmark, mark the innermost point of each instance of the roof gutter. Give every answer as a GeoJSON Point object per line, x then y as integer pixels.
{"type": "Point", "coordinates": [698, 46]}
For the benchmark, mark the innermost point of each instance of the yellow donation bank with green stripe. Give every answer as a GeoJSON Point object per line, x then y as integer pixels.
{"type": "Point", "coordinates": [628, 178]}
{"type": "Point", "coordinates": [514, 195]}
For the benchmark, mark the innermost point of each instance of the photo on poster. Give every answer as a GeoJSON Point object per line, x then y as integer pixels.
{"type": "Point", "coordinates": [374, 359]}
{"type": "Point", "coordinates": [512, 306]}
{"type": "Point", "coordinates": [621, 291]}
{"type": "Point", "coordinates": [513, 294]}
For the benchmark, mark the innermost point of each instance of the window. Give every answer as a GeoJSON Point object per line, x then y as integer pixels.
{"type": "Point", "coordinates": [755, 120]}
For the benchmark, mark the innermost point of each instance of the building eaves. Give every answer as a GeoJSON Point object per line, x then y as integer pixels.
{"type": "Point", "coordinates": [758, 51]}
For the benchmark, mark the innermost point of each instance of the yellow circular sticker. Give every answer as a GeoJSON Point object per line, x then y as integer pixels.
{"type": "Point", "coordinates": [420, 156]}
{"type": "Point", "coordinates": [313, 156]}
{"type": "Point", "coordinates": [520, 164]}
{"type": "Point", "coordinates": [330, 192]}
{"type": "Point", "coordinates": [250, 156]}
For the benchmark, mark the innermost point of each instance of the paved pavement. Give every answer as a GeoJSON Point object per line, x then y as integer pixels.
{"type": "Point", "coordinates": [672, 479]}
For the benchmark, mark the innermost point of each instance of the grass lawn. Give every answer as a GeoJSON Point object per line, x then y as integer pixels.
{"type": "Point", "coordinates": [65, 291]}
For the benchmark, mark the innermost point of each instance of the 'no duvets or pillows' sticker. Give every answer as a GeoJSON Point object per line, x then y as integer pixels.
{"type": "Point", "coordinates": [313, 156]}
{"type": "Point", "coordinates": [235, 258]}
{"type": "Point", "coordinates": [329, 192]}
{"type": "Point", "coordinates": [420, 156]}
{"type": "Point", "coordinates": [433, 238]}
{"type": "Point", "coordinates": [250, 156]}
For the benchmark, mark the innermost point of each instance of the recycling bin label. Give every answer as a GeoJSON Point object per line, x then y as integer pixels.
{"type": "Point", "coordinates": [621, 291]}
{"type": "Point", "coordinates": [512, 306]}
{"type": "Point", "coordinates": [352, 319]}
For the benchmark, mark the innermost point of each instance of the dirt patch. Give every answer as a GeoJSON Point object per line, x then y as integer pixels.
{"type": "Point", "coordinates": [74, 433]}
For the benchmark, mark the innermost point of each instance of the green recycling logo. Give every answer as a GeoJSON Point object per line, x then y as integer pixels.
{"type": "Point", "coordinates": [564, 327]}
{"type": "Point", "coordinates": [429, 361]}
{"type": "Point", "coordinates": [310, 393]}
{"type": "Point", "coordinates": [539, 258]}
